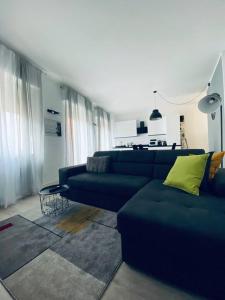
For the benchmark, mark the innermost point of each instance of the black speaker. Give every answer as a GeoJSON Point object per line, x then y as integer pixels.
{"type": "Point", "coordinates": [142, 124]}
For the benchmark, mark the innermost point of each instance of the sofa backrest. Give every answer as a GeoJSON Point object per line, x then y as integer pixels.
{"type": "Point", "coordinates": [164, 160]}
{"type": "Point", "coordinates": [131, 162]}
{"type": "Point", "coordinates": [149, 163]}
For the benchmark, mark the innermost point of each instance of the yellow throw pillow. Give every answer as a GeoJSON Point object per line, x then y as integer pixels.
{"type": "Point", "coordinates": [187, 173]}
{"type": "Point", "coordinates": [216, 160]}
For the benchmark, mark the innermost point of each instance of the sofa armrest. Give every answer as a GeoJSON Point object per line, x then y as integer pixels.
{"type": "Point", "coordinates": [218, 183]}
{"type": "Point", "coordinates": [65, 173]}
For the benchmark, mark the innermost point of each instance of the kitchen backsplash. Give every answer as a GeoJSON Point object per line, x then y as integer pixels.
{"type": "Point", "coordinates": [140, 139]}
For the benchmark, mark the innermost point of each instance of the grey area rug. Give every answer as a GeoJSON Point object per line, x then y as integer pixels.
{"type": "Point", "coordinates": [95, 249]}
{"type": "Point", "coordinates": [51, 277]}
{"type": "Point", "coordinates": [21, 243]}
{"type": "Point", "coordinates": [79, 264]}
{"type": "Point", "coordinates": [76, 217]}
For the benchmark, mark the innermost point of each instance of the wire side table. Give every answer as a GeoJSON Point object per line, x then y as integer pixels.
{"type": "Point", "coordinates": [52, 201]}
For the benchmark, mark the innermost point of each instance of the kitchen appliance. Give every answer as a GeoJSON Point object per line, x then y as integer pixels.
{"type": "Point", "coordinates": [153, 142]}
{"type": "Point", "coordinates": [159, 143]}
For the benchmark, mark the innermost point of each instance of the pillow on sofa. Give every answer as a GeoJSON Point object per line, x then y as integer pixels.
{"type": "Point", "coordinates": [187, 173]}
{"type": "Point", "coordinates": [216, 160]}
{"type": "Point", "coordinates": [205, 184]}
{"type": "Point", "coordinates": [98, 164]}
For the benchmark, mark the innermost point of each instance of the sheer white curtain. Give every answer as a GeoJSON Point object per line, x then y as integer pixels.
{"type": "Point", "coordinates": [21, 128]}
{"type": "Point", "coordinates": [79, 127]}
{"type": "Point", "coordinates": [103, 129]}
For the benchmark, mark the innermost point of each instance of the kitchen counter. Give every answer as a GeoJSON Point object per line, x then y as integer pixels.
{"type": "Point", "coordinates": [155, 147]}
{"type": "Point", "coordinates": [149, 146]}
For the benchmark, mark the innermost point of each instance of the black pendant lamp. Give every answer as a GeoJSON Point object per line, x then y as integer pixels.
{"type": "Point", "coordinates": [155, 115]}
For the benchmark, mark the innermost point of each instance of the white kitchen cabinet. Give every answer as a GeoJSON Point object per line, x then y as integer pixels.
{"type": "Point", "coordinates": [125, 129]}
{"type": "Point", "coordinates": [157, 127]}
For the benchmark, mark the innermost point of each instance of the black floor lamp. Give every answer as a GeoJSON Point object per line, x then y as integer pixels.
{"type": "Point", "coordinates": [221, 126]}
{"type": "Point", "coordinates": [209, 105]}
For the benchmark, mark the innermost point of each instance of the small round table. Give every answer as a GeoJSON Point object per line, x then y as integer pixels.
{"type": "Point", "coordinates": [52, 201]}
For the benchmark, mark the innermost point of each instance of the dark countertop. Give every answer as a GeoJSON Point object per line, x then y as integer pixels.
{"type": "Point", "coordinates": [149, 146]}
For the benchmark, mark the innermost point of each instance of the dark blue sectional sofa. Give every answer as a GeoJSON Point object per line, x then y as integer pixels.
{"type": "Point", "coordinates": [174, 235]}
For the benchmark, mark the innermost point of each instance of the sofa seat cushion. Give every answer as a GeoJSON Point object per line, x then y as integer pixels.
{"type": "Point", "coordinates": [114, 184]}
{"type": "Point", "coordinates": [175, 220]}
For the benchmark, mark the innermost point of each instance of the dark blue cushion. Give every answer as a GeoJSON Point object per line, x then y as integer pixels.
{"type": "Point", "coordinates": [152, 163]}
{"type": "Point", "coordinates": [130, 162]}
{"type": "Point", "coordinates": [174, 216]}
{"type": "Point", "coordinates": [114, 184]}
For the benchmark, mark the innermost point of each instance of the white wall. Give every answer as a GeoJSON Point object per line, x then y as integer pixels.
{"type": "Point", "coordinates": [196, 127]}
{"type": "Point", "coordinates": [53, 145]}
{"type": "Point", "coordinates": [217, 86]}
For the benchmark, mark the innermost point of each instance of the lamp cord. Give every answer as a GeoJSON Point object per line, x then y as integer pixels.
{"type": "Point", "coordinates": [154, 92]}
{"type": "Point", "coordinates": [183, 103]}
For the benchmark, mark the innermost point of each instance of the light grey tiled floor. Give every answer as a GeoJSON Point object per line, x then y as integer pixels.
{"type": "Point", "coordinates": [131, 284]}
{"type": "Point", "coordinates": [128, 283]}
{"type": "Point", "coordinates": [28, 208]}
{"type": "Point", "coordinates": [4, 295]}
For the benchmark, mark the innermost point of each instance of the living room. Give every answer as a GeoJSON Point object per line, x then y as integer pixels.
{"type": "Point", "coordinates": [112, 149]}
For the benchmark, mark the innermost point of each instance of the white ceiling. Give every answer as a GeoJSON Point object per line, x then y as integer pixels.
{"type": "Point", "coordinates": [117, 51]}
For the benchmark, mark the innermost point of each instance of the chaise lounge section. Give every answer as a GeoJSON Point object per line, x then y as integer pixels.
{"type": "Point", "coordinates": [174, 235]}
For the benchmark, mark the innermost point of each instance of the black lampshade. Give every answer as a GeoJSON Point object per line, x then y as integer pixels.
{"type": "Point", "coordinates": [155, 115]}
